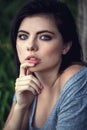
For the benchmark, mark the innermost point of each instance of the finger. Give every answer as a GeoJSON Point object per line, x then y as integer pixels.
{"type": "Point", "coordinates": [29, 78]}
{"type": "Point", "coordinates": [28, 82]}
{"type": "Point", "coordinates": [31, 83]}
{"type": "Point", "coordinates": [24, 69]}
{"type": "Point", "coordinates": [21, 89]}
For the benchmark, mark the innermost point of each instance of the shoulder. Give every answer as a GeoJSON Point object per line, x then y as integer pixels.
{"type": "Point", "coordinates": [68, 73]}
{"type": "Point", "coordinates": [73, 83]}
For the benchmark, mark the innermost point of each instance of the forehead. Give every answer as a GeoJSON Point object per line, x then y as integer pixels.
{"type": "Point", "coordinates": [39, 21]}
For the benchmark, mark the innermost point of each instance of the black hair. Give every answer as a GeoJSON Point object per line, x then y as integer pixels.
{"type": "Point", "coordinates": [64, 21]}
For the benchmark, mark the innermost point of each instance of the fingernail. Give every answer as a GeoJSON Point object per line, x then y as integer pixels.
{"type": "Point", "coordinates": [31, 64]}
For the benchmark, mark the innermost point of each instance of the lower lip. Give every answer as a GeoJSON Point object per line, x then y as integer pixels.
{"type": "Point", "coordinates": [33, 61]}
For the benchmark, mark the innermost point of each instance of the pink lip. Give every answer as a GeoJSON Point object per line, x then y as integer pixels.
{"type": "Point", "coordinates": [33, 59]}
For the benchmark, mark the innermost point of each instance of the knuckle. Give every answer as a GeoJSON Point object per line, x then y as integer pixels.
{"type": "Point", "coordinates": [30, 76]}
{"type": "Point", "coordinates": [30, 81]}
{"type": "Point", "coordinates": [16, 88]}
{"type": "Point", "coordinates": [29, 87]}
{"type": "Point", "coordinates": [17, 79]}
{"type": "Point", "coordinates": [34, 92]}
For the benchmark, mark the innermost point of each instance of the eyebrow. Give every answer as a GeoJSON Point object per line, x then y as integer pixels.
{"type": "Point", "coordinates": [43, 31]}
{"type": "Point", "coordinates": [23, 31]}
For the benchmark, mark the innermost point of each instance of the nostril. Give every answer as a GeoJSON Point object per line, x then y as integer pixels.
{"type": "Point", "coordinates": [32, 48]}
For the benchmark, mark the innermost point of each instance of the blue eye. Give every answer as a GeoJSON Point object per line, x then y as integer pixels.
{"type": "Point", "coordinates": [45, 37]}
{"type": "Point", "coordinates": [22, 36]}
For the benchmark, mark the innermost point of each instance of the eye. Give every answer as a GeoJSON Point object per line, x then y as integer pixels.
{"type": "Point", "coordinates": [22, 36]}
{"type": "Point", "coordinates": [45, 37]}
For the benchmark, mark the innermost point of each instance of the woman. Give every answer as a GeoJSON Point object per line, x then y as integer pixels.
{"type": "Point", "coordinates": [51, 89]}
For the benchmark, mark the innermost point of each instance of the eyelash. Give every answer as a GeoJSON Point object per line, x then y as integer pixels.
{"type": "Point", "coordinates": [42, 37]}
{"type": "Point", "coordinates": [22, 36]}
{"type": "Point", "coordinates": [45, 37]}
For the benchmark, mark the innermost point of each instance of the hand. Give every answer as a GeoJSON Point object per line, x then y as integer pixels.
{"type": "Point", "coordinates": [27, 86]}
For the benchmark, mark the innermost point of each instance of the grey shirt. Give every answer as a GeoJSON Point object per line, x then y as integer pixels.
{"type": "Point", "coordinates": [70, 110]}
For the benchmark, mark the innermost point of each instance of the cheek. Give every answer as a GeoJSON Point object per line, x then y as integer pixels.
{"type": "Point", "coordinates": [53, 51]}
{"type": "Point", "coordinates": [20, 53]}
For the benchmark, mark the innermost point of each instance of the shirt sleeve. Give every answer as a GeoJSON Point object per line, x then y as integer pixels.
{"type": "Point", "coordinates": [14, 98]}
{"type": "Point", "coordinates": [72, 114]}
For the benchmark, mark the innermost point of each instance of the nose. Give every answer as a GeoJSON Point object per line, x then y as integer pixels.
{"type": "Point", "coordinates": [32, 46]}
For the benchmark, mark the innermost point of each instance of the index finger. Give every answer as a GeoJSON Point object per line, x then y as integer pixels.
{"type": "Point", "coordinates": [24, 69]}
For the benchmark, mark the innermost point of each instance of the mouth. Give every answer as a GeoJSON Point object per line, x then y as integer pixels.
{"type": "Point", "coordinates": [33, 59]}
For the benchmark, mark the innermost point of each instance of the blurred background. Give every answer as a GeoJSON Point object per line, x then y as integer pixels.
{"type": "Point", "coordinates": [8, 70]}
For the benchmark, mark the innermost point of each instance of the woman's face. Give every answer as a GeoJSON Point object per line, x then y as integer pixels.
{"type": "Point", "coordinates": [40, 43]}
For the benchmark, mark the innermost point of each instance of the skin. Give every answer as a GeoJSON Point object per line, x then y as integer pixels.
{"type": "Point", "coordinates": [44, 44]}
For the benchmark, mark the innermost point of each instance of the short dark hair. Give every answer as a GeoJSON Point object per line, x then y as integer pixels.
{"type": "Point", "coordinates": [64, 21]}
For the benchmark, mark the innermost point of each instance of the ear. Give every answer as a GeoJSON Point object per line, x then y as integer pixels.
{"type": "Point", "coordinates": [66, 48]}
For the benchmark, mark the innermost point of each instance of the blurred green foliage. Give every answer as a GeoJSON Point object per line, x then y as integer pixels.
{"type": "Point", "coordinates": [8, 70]}
{"type": "Point", "coordinates": [7, 74]}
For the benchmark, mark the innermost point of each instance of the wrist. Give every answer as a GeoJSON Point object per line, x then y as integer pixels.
{"type": "Point", "coordinates": [21, 107]}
